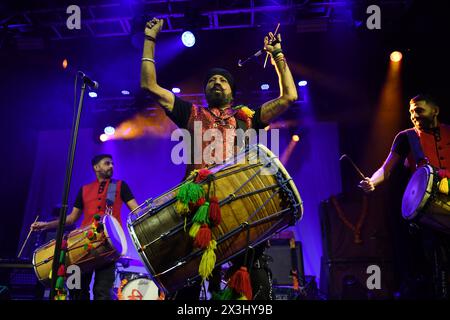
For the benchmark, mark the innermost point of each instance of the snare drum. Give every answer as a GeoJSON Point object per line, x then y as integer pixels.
{"type": "Point", "coordinates": [257, 198]}
{"type": "Point", "coordinates": [106, 248]}
{"type": "Point", "coordinates": [423, 203]}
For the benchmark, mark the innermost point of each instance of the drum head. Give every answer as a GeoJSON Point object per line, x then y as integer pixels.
{"type": "Point", "coordinates": [417, 192]}
{"type": "Point", "coordinates": [140, 289]}
{"type": "Point", "coordinates": [115, 234]}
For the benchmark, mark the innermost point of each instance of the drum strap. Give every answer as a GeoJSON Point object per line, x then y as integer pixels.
{"type": "Point", "coordinates": [415, 146]}
{"type": "Point", "coordinates": [111, 193]}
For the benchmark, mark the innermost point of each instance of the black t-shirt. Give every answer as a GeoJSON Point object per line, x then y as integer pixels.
{"type": "Point", "coordinates": [401, 144]}
{"type": "Point", "coordinates": [182, 111]}
{"type": "Point", "coordinates": [125, 195]}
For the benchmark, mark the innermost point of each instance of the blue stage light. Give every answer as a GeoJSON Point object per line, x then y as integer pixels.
{"type": "Point", "coordinates": [188, 39]}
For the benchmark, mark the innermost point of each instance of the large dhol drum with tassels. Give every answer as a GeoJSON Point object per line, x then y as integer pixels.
{"type": "Point", "coordinates": [88, 253]}
{"type": "Point", "coordinates": [256, 196]}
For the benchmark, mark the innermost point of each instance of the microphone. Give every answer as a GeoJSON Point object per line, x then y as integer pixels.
{"type": "Point", "coordinates": [256, 54]}
{"type": "Point", "coordinates": [88, 81]}
{"type": "Point", "coordinates": [242, 62]}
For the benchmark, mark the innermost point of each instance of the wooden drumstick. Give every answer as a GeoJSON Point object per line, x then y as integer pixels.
{"type": "Point", "coordinates": [274, 34]}
{"type": "Point", "coordinates": [28, 236]}
{"type": "Point", "coordinates": [344, 156]}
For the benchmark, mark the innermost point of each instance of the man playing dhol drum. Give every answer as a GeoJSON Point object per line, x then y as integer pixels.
{"type": "Point", "coordinates": [219, 87]}
{"type": "Point", "coordinates": [91, 200]}
{"type": "Point", "coordinates": [428, 142]}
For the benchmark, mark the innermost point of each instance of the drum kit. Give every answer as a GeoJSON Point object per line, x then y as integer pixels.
{"type": "Point", "coordinates": [258, 199]}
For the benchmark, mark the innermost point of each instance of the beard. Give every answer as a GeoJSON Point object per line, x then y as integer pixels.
{"type": "Point", "coordinates": [218, 98]}
{"type": "Point", "coordinates": [423, 123]}
{"type": "Point", "coordinates": [107, 174]}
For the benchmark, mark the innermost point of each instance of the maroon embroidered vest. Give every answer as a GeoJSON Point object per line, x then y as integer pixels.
{"type": "Point", "coordinates": [203, 119]}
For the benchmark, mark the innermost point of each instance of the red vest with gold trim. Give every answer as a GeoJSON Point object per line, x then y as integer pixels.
{"type": "Point", "coordinates": [95, 202]}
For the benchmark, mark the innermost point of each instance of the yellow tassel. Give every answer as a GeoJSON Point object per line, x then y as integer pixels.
{"type": "Point", "coordinates": [242, 297]}
{"type": "Point", "coordinates": [181, 208]}
{"type": "Point", "coordinates": [194, 229]}
{"type": "Point", "coordinates": [249, 112]}
{"type": "Point", "coordinates": [443, 186]}
{"type": "Point", "coordinates": [208, 261]}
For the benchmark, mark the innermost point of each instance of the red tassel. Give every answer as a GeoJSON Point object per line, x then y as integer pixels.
{"type": "Point", "coordinates": [194, 206]}
{"type": "Point", "coordinates": [61, 271]}
{"type": "Point", "coordinates": [202, 175]}
{"type": "Point", "coordinates": [64, 244]}
{"type": "Point", "coordinates": [203, 237]}
{"type": "Point", "coordinates": [90, 235]}
{"type": "Point", "coordinates": [240, 282]}
{"type": "Point", "coordinates": [215, 215]}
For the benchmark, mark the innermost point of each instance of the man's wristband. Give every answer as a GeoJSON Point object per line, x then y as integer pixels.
{"type": "Point", "coordinates": [150, 38]}
{"type": "Point", "coordinates": [149, 59]}
{"type": "Point", "coordinates": [276, 52]}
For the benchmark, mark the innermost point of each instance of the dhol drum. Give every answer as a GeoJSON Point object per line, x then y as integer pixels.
{"type": "Point", "coordinates": [257, 198]}
{"type": "Point", "coordinates": [424, 203]}
{"type": "Point", "coordinates": [106, 248]}
{"type": "Point", "coordinates": [139, 288]}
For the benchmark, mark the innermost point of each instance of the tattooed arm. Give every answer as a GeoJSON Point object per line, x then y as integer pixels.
{"type": "Point", "coordinates": [288, 91]}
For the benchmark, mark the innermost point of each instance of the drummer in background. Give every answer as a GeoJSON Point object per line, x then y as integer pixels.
{"type": "Point", "coordinates": [91, 200]}
{"type": "Point", "coordinates": [220, 90]}
{"type": "Point", "coordinates": [434, 139]}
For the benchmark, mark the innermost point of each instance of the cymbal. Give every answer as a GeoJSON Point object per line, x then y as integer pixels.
{"type": "Point", "coordinates": [127, 261]}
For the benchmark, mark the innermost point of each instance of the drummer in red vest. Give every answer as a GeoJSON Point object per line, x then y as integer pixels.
{"type": "Point", "coordinates": [427, 143]}
{"type": "Point", "coordinates": [222, 116]}
{"type": "Point", "coordinates": [92, 199]}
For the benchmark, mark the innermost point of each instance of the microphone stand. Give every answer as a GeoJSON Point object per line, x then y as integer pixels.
{"type": "Point", "coordinates": [63, 210]}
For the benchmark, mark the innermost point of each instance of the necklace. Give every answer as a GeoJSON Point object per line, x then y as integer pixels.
{"type": "Point", "coordinates": [221, 120]}
{"type": "Point", "coordinates": [356, 229]}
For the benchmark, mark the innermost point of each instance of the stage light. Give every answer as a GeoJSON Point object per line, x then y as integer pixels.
{"type": "Point", "coordinates": [295, 138]}
{"type": "Point", "coordinates": [396, 56]}
{"type": "Point", "coordinates": [188, 39]}
{"type": "Point", "coordinates": [267, 128]}
{"type": "Point", "coordinates": [302, 83]}
{"type": "Point", "coordinates": [103, 137]}
{"type": "Point", "coordinates": [65, 63]}
{"type": "Point", "coordinates": [125, 92]}
{"type": "Point", "coordinates": [93, 94]}
{"type": "Point", "coordinates": [176, 90]}
{"type": "Point", "coordinates": [109, 131]}
{"type": "Point", "coordinates": [265, 86]}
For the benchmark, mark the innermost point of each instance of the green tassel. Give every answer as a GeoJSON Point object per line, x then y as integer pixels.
{"type": "Point", "coordinates": [202, 214]}
{"type": "Point", "coordinates": [62, 257]}
{"type": "Point", "coordinates": [60, 283]}
{"type": "Point", "coordinates": [227, 294]}
{"type": "Point", "coordinates": [97, 217]}
{"type": "Point", "coordinates": [190, 192]}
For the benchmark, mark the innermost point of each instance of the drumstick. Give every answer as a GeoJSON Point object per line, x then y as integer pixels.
{"type": "Point", "coordinates": [353, 164]}
{"type": "Point", "coordinates": [275, 33]}
{"type": "Point", "coordinates": [29, 233]}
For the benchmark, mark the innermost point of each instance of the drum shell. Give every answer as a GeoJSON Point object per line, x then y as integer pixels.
{"type": "Point", "coordinates": [436, 214]}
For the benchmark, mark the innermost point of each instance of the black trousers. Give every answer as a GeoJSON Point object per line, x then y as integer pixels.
{"type": "Point", "coordinates": [103, 284]}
